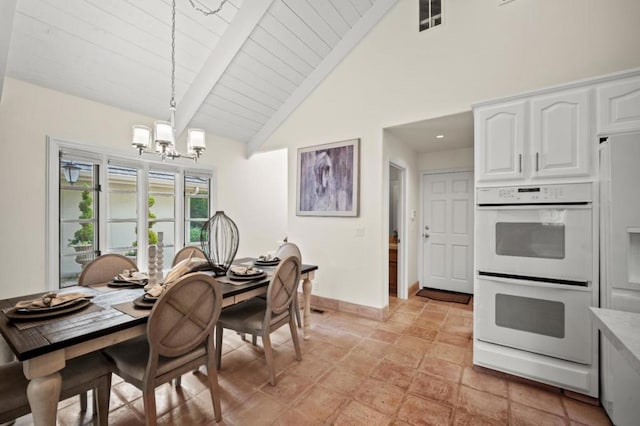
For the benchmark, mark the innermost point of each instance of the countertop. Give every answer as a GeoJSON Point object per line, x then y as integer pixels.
{"type": "Point", "coordinates": [621, 328]}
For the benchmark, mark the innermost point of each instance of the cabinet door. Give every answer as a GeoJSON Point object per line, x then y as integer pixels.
{"type": "Point", "coordinates": [560, 134]}
{"type": "Point", "coordinates": [499, 139]}
{"type": "Point", "coordinates": [619, 106]}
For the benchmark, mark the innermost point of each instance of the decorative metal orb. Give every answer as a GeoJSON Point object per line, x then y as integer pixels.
{"type": "Point", "coordinates": [219, 239]}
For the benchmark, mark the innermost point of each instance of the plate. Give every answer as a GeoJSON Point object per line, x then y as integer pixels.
{"type": "Point", "coordinates": [28, 315]}
{"type": "Point", "coordinates": [114, 283]}
{"type": "Point", "coordinates": [235, 277]}
{"type": "Point", "coordinates": [63, 305]}
{"type": "Point", "coordinates": [266, 262]}
{"type": "Point", "coordinates": [143, 303]}
{"type": "Point", "coordinates": [254, 274]}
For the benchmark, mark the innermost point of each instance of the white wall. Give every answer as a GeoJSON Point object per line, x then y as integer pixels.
{"type": "Point", "coordinates": [400, 154]}
{"type": "Point", "coordinates": [252, 192]}
{"type": "Point", "coordinates": [441, 160]}
{"type": "Point", "coordinates": [398, 75]}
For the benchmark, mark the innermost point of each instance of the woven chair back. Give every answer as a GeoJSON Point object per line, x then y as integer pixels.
{"type": "Point", "coordinates": [104, 268]}
{"type": "Point", "coordinates": [184, 315]}
{"type": "Point", "coordinates": [283, 287]}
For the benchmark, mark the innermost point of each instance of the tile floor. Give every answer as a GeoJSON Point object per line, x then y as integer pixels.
{"type": "Point", "coordinates": [414, 369]}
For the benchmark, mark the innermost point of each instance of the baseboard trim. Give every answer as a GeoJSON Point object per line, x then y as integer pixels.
{"type": "Point", "coordinates": [326, 303]}
{"type": "Point", "coordinates": [413, 288]}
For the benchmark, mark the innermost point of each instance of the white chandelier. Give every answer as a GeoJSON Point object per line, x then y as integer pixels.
{"type": "Point", "coordinates": [164, 132]}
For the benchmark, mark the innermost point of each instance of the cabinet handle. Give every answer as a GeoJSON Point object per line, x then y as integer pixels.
{"type": "Point", "coordinates": [519, 163]}
{"type": "Point", "coordinates": [537, 161]}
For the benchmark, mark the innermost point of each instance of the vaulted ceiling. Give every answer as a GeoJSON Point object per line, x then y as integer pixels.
{"type": "Point", "coordinates": [239, 73]}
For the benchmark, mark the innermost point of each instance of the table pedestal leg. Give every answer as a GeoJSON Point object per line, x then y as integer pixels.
{"type": "Point", "coordinates": [306, 292]}
{"type": "Point", "coordinates": [43, 394]}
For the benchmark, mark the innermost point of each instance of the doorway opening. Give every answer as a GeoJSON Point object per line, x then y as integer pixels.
{"type": "Point", "coordinates": [396, 228]}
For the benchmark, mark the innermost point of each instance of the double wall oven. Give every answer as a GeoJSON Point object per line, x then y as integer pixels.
{"type": "Point", "coordinates": [534, 283]}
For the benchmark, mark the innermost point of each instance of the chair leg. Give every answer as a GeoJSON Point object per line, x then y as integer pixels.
{"type": "Point", "coordinates": [149, 399]}
{"type": "Point", "coordinates": [294, 337]}
{"type": "Point", "coordinates": [102, 395]}
{"type": "Point", "coordinates": [177, 381]}
{"type": "Point", "coordinates": [297, 310]}
{"type": "Point", "coordinates": [83, 402]}
{"type": "Point", "coordinates": [268, 354]}
{"type": "Point", "coordinates": [214, 388]}
{"type": "Point", "coordinates": [254, 339]}
{"type": "Point", "coordinates": [219, 330]}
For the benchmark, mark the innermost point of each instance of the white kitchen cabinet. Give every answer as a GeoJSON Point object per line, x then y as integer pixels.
{"type": "Point", "coordinates": [500, 137]}
{"type": "Point", "coordinates": [618, 104]}
{"type": "Point", "coordinates": [560, 134]}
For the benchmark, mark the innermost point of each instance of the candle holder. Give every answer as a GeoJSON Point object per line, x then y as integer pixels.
{"type": "Point", "coordinates": [220, 239]}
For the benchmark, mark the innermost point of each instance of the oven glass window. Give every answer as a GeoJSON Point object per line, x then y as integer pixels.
{"type": "Point", "coordinates": [539, 316]}
{"type": "Point", "coordinates": [541, 240]}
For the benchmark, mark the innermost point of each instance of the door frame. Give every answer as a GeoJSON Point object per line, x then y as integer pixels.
{"type": "Point", "coordinates": [424, 173]}
{"type": "Point", "coordinates": [402, 287]}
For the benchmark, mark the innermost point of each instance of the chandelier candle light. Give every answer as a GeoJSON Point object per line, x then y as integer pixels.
{"type": "Point", "coordinates": [165, 131]}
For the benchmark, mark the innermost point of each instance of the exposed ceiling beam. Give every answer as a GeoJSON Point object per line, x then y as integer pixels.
{"type": "Point", "coordinates": [7, 10]}
{"type": "Point", "coordinates": [342, 49]}
{"type": "Point", "coordinates": [246, 19]}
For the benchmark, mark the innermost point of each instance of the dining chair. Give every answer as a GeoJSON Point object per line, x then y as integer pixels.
{"type": "Point", "coordinates": [286, 250]}
{"type": "Point", "coordinates": [104, 268]}
{"type": "Point", "coordinates": [261, 317]}
{"type": "Point", "coordinates": [179, 339]}
{"type": "Point", "coordinates": [186, 252]}
{"type": "Point", "coordinates": [80, 374]}
{"type": "Point", "coordinates": [100, 270]}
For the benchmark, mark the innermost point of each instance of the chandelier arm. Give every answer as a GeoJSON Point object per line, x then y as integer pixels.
{"type": "Point", "coordinates": [207, 11]}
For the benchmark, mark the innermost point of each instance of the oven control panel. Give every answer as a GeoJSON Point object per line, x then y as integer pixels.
{"type": "Point", "coordinates": [536, 194]}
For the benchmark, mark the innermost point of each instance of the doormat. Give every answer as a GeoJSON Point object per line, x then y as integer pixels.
{"type": "Point", "coordinates": [444, 295]}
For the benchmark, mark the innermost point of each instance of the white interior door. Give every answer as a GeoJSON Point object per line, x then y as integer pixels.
{"type": "Point", "coordinates": [447, 231]}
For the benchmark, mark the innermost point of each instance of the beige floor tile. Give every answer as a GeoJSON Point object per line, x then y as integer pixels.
{"type": "Point", "coordinates": [288, 388]}
{"type": "Point", "coordinates": [427, 334]}
{"type": "Point", "coordinates": [393, 326]}
{"type": "Point", "coordinates": [374, 348]}
{"type": "Point", "coordinates": [464, 418]}
{"type": "Point", "coordinates": [485, 382]}
{"type": "Point", "coordinates": [454, 339]}
{"type": "Point", "coordinates": [521, 415]}
{"type": "Point", "coordinates": [586, 413]}
{"type": "Point", "coordinates": [379, 395]}
{"type": "Point", "coordinates": [396, 374]}
{"type": "Point", "coordinates": [291, 417]}
{"type": "Point", "coordinates": [329, 352]}
{"type": "Point", "coordinates": [537, 398]}
{"type": "Point", "coordinates": [421, 411]}
{"type": "Point", "coordinates": [342, 381]}
{"type": "Point", "coordinates": [321, 403]}
{"type": "Point", "coordinates": [356, 413]}
{"type": "Point", "coordinates": [411, 343]}
{"type": "Point", "coordinates": [404, 357]}
{"type": "Point", "coordinates": [432, 388]}
{"type": "Point", "coordinates": [260, 409]}
{"type": "Point", "coordinates": [359, 363]}
{"type": "Point", "coordinates": [384, 336]}
{"type": "Point", "coordinates": [441, 368]}
{"type": "Point", "coordinates": [484, 404]}
{"type": "Point", "coordinates": [431, 319]}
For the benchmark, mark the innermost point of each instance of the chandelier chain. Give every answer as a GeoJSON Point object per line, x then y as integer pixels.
{"type": "Point", "coordinates": [173, 54]}
{"type": "Point", "coordinates": [207, 12]}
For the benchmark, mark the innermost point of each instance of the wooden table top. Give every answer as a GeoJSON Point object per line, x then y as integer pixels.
{"type": "Point", "coordinates": [64, 331]}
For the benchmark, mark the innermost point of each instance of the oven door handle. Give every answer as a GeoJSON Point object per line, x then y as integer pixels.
{"type": "Point", "coordinates": [535, 281]}
{"type": "Point", "coordinates": [537, 206]}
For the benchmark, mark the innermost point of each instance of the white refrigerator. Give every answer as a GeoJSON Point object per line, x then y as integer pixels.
{"type": "Point", "coordinates": [619, 266]}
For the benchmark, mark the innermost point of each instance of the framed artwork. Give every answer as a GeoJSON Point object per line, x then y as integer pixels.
{"type": "Point", "coordinates": [328, 179]}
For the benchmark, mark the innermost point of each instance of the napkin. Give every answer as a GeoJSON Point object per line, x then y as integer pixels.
{"type": "Point", "coordinates": [50, 300]}
{"type": "Point", "coordinates": [243, 270]}
{"type": "Point", "coordinates": [134, 277]}
{"type": "Point", "coordinates": [268, 257]}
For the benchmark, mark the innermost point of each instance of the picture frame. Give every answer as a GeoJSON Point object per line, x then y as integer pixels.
{"type": "Point", "coordinates": [328, 179]}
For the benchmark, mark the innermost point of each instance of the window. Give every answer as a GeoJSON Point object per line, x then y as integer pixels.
{"type": "Point", "coordinates": [78, 198]}
{"type": "Point", "coordinates": [122, 211]}
{"type": "Point", "coordinates": [99, 201]}
{"type": "Point", "coordinates": [430, 14]}
{"type": "Point", "coordinates": [196, 193]}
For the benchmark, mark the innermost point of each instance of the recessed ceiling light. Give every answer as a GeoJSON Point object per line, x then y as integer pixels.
{"type": "Point", "coordinates": [439, 136]}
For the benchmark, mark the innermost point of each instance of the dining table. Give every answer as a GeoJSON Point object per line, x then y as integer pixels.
{"type": "Point", "coordinates": [44, 345]}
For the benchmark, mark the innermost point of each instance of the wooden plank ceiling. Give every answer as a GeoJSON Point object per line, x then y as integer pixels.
{"type": "Point", "coordinates": [240, 84]}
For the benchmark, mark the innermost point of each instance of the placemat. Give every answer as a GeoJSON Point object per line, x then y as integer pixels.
{"type": "Point", "coordinates": [130, 309]}
{"type": "Point", "coordinates": [24, 325]}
